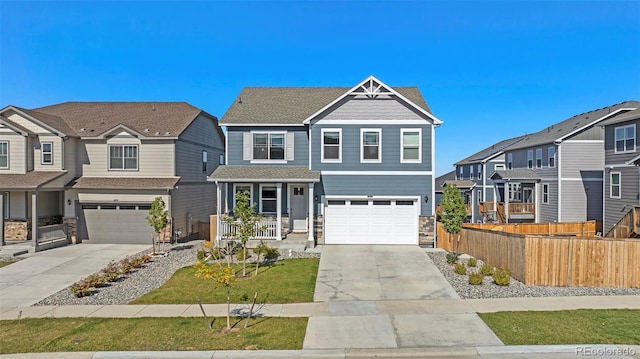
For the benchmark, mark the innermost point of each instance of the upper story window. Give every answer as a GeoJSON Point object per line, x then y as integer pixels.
{"type": "Point", "coordinates": [499, 168]}
{"type": "Point", "coordinates": [331, 145]}
{"type": "Point", "coordinates": [411, 142]}
{"type": "Point", "coordinates": [123, 157]}
{"type": "Point", "coordinates": [370, 140]}
{"type": "Point", "coordinates": [471, 172]}
{"type": "Point", "coordinates": [552, 156]}
{"type": "Point", "coordinates": [539, 158]}
{"type": "Point", "coordinates": [530, 159]}
{"type": "Point", "coordinates": [509, 161]}
{"type": "Point", "coordinates": [4, 154]}
{"type": "Point", "coordinates": [205, 157]}
{"type": "Point", "coordinates": [221, 159]}
{"type": "Point", "coordinates": [545, 193]}
{"type": "Point", "coordinates": [460, 175]}
{"type": "Point", "coordinates": [625, 137]}
{"type": "Point", "coordinates": [268, 146]}
{"type": "Point", "coordinates": [615, 185]}
{"type": "Point", "coordinates": [479, 171]}
{"type": "Point", "coordinates": [46, 148]}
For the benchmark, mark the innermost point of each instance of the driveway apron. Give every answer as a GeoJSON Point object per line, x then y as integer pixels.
{"type": "Point", "coordinates": [368, 288]}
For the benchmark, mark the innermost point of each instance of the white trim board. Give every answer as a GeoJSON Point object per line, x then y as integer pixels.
{"type": "Point", "coordinates": [377, 173]}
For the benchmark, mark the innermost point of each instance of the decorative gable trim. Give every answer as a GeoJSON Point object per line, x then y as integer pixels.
{"type": "Point", "coordinates": [372, 87]}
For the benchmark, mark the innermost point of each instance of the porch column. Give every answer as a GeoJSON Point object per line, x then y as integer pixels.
{"type": "Point", "coordinates": [507, 196]}
{"type": "Point", "coordinates": [218, 211]}
{"type": "Point", "coordinates": [279, 211]}
{"type": "Point", "coordinates": [34, 219]}
{"type": "Point", "coordinates": [311, 212]}
{"type": "Point", "coordinates": [536, 213]}
{"type": "Point", "coordinates": [1, 218]}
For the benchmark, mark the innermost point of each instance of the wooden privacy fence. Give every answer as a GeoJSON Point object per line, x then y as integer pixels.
{"type": "Point", "coordinates": [552, 260]}
{"type": "Point", "coordinates": [584, 229]}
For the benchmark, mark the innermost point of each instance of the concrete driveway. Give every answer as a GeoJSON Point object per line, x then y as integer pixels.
{"type": "Point", "coordinates": [41, 274]}
{"type": "Point", "coordinates": [379, 297]}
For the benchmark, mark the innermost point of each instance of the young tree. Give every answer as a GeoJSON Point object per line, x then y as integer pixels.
{"type": "Point", "coordinates": [222, 276]}
{"type": "Point", "coordinates": [454, 211]}
{"type": "Point", "coordinates": [245, 221]}
{"type": "Point", "coordinates": [158, 219]}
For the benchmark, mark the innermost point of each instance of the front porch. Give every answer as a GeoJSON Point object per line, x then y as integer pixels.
{"type": "Point", "coordinates": [517, 195]}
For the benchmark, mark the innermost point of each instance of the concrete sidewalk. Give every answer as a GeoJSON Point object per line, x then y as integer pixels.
{"type": "Point", "coordinates": [42, 274]}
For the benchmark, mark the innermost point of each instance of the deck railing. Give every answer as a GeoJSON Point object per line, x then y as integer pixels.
{"type": "Point", "coordinates": [265, 229]}
{"type": "Point", "coordinates": [522, 208]}
{"type": "Point", "coordinates": [52, 236]}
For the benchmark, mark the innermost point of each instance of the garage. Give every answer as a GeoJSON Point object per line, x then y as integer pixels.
{"type": "Point", "coordinates": [371, 221]}
{"type": "Point", "coordinates": [115, 223]}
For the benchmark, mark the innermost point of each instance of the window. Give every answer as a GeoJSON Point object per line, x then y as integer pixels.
{"type": "Point", "coordinates": [471, 172]}
{"type": "Point", "coordinates": [237, 188]}
{"type": "Point", "coordinates": [552, 156]}
{"type": "Point", "coordinates": [479, 171]}
{"type": "Point", "coordinates": [460, 175]}
{"type": "Point", "coordinates": [370, 145]}
{"type": "Point", "coordinates": [205, 156]}
{"type": "Point", "coordinates": [539, 158]}
{"type": "Point", "coordinates": [545, 193]}
{"type": "Point", "coordinates": [268, 199]}
{"type": "Point", "coordinates": [530, 159]}
{"type": "Point", "coordinates": [5, 204]}
{"type": "Point", "coordinates": [331, 145]}
{"type": "Point", "coordinates": [411, 145]}
{"type": "Point", "coordinates": [614, 185]}
{"type": "Point", "coordinates": [4, 154]}
{"type": "Point", "coordinates": [479, 195]}
{"type": "Point", "coordinates": [268, 146]}
{"type": "Point", "coordinates": [514, 192]}
{"type": "Point", "coordinates": [221, 159]}
{"type": "Point", "coordinates": [123, 157]}
{"type": "Point", "coordinates": [499, 168]}
{"type": "Point", "coordinates": [46, 148]}
{"type": "Point", "coordinates": [625, 138]}
{"type": "Point", "coordinates": [509, 161]}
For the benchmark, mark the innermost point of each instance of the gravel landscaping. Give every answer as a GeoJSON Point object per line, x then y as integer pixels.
{"type": "Point", "coordinates": [145, 279]}
{"type": "Point", "coordinates": [515, 289]}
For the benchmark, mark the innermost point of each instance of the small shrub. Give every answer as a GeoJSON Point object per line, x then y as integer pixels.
{"type": "Point", "coordinates": [271, 253]}
{"type": "Point", "coordinates": [452, 257]}
{"type": "Point", "coordinates": [80, 289]}
{"type": "Point", "coordinates": [475, 278]}
{"type": "Point", "coordinates": [486, 269]}
{"type": "Point", "coordinates": [240, 254]}
{"type": "Point", "coordinates": [502, 277]}
{"type": "Point", "coordinates": [201, 255]}
{"type": "Point", "coordinates": [95, 280]}
{"type": "Point", "coordinates": [460, 269]}
{"type": "Point", "coordinates": [136, 262]}
{"type": "Point", "coordinates": [111, 272]}
{"type": "Point", "coordinates": [126, 266]}
{"type": "Point", "coordinates": [216, 253]}
{"type": "Point", "coordinates": [145, 258]}
{"type": "Point", "coordinates": [472, 262]}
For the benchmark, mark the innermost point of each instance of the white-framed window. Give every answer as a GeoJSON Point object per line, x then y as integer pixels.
{"type": "Point", "coordinates": [221, 159]}
{"type": "Point", "coordinates": [539, 158]}
{"type": "Point", "coordinates": [331, 145]}
{"type": "Point", "coordinates": [545, 193]}
{"type": "Point", "coordinates": [479, 195]}
{"type": "Point", "coordinates": [471, 172]}
{"type": "Point", "coordinates": [240, 187]}
{"type": "Point", "coordinates": [371, 145]}
{"type": "Point", "coordinates": [460, 174]}
{"type": "Point", "coordinates": [46, 150]}
{"type": "Point", "coordinates": [509, 161]}
{"type": "Point", "coordinates": [123, 157]}
{"type": "Point", "coordinates": [499, 168]}
{"type": "Point", "coordinates": [5, 205]}
{"type": "Point", "coordinates": [552, 156]}
{"type": "Point", "coordinates": [530, 159]}
{"type": "Point", "coordinates": [625, 137]}
{"type": "Point", "coordinates": [268, 198]}
{"type": "Point", "coordinates": [4, 154]}
{"type": "Point", "coordinates": [615, 185]}
{"type": "Point", "coordinates": [479, 171]}
{"type": "Point", "coordinates": [268, 146]}
{"type": "Point", "coordinates": [205, 158]}
{"type": "Point", "coordinates": [411, 145]}
{"type": "Point", "coordinates": [515, 193]}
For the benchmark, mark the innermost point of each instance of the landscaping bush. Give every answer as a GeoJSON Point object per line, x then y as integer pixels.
{"type": "Point", "coordinates": [80, 289]}
{"type": "Point", "coordinates": [126, 266]}
{"type": "Point", "coordinates": [240, 254]}
{"type": "Point", "coordinates": [95, 280]}
{"type": "Point", "coordinates": [486, 269]}
{"type": "Point", "coordinates": [475, 278]}
{"type": "Point", "coordinates": [136, 262]}
{"type": "Point", "coordinates": [460, 269]}
{"type": "Point", "coordinates": [472, 262]}
{"type": "Point", "coordinates": [502, 277]}
{"type": "Point", "coordinates": [145, 258]}
{"type": "Point", "coordinates": [111, 272]}
{"type": "Point", "coordinates": [271, 253]}
{"type": "Point", "coordinates": [201, 255]}
{"type": "Point", "coordinates": [452, 257]}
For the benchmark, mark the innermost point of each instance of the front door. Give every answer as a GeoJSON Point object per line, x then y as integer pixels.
{"type": "Point", "coordinates": [299, 208]}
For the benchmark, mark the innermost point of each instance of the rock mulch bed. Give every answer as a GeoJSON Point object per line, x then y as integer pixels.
{"type": "Point", "coordinates": [515, 289]}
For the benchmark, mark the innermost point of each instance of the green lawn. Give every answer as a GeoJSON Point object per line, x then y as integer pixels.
{"type": "Point", "coordinates": [287, 281]}
{"type": "Point", "coordinates": [147, 334]}
{"type": "Point", "coordinates": [5, 262]}
{"type": "Point", "coordinates": [584, 326]}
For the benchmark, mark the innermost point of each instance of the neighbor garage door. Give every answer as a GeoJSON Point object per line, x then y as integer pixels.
{"type": "Point", "coordinates": [109, 223]}
{"type": "Point", "coordinates": [371, 221]}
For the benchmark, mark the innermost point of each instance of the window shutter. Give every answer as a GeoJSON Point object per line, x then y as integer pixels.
{"type": "Point", "coordinates": [247, 146]}
{"type": "Point", "coordinates": [289, 146]}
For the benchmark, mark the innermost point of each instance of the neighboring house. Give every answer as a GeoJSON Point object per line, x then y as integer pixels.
{"type": "Point", "coordinates": [98, 166]}
{"type": "Point", "coordinates": [439, 185]}
{"type": "Point", "coordinates": [556, 175]}
{"type": "Point", "coordinates": [478, 169]}
{"type": "Point", "coordinates": [357, 160]}
{"type": "Point", "coordinates": [621, 171]}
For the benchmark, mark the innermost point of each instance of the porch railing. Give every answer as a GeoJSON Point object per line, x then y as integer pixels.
{"type": "Point", "coordinates": [52, 236]}
{"type": "Point", "coordinates": [265, 229]}
{"type": "Point", "coordinates": [522, 208]}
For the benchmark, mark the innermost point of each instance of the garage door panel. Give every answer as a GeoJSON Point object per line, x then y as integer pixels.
{"type": "Point", "coordinates": [109, 223]}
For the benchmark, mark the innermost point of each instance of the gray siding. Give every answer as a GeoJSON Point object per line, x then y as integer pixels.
{"type": "Point", "coordinates": [592, 133]}
{"type": "Point", "coordinates": [616, 208]}
{"type": "Point", "coordinates": [201, 135]}
{"type": "Point", "coordinates": [196, 200]}
{"type": "Point", "coordinates": [235, 144]}
{"type": "Point", "coordinates": [609, 146]}
{"type": "Point", "coordinates": [370, 109]}
{"type": "Point", "coordinates": [354, 185]}
{"type": "Point", "coordinates": [549, 212]}
{"type": "Point", "coordinates": [390, 149]}
{"type": "Point", "coordinates": [255, 199]}
{"type": "Point", "coordinates": [580, 156]}
{"type": "Point", "coordinates": [581, 200]}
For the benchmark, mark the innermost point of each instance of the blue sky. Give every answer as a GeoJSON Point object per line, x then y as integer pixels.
{"type": "Point", "coordinates": [489, 70]}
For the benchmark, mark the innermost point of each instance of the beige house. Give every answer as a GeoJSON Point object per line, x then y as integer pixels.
{"type": "Point", "coordinates": [96, 167]}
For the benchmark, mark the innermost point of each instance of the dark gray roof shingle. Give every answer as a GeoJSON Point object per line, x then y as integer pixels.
{"type": "Point", "coordinates": [440, 181]}
{"type": "Point", "coordinates": [264, 174]}
{"type": "Point", "coordinates": [622, 117]}
{"type": "Point", "coordinates": [516, 174]}
{"type": "Point", "coordinates": [489, 152]}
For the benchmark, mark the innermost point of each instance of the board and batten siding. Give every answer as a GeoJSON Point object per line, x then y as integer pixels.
{"type": "Point", "coordinates": [195, 200]}
{"type": "Point", "coordinates": [17, 152]}
{"type": "Point", "coordinates": [613, 158]}
{"type": "Point", "coordinates": [235, 145]}
{"type": "Point", "coordinates": [381, 185]}
{"type": "Point", "coordinates": [616, 208]}
{"type": "Point", "coordinates": [201, 135]}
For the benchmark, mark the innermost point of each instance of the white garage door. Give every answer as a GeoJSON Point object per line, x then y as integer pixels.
{"type": "Point", "coordinates": [371, 221]}
{"type": "Point", "coordinates": [109, 223]}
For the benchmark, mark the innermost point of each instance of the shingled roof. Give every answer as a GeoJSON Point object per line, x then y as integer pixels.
{"type": "Point", "coordinates": [490, 151]}
{"type": "Point", "coordinates": [622, 117]}
{"type": "Point", "coordinates": [123, 183]}
{"type": "Point", "coordinates": [29, 180]}
{"type": "Point", "coordinates": [292, 105]}
{"type": "Point", "coordinates": [264, 174]}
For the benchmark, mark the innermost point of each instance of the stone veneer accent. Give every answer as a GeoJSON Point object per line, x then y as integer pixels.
{"type": "Point", "coordinates": [72, 223]}
{"type": "Point", "coordinates": [20, 229]}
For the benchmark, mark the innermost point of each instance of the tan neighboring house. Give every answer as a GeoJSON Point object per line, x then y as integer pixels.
{"type": "Point", "coordinates": [96, 167]}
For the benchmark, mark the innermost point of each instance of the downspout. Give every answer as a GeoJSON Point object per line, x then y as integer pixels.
{"type": "Point", "coordinates": [433, 184]}
{"type": "Point", "coordinates": [559, 165]}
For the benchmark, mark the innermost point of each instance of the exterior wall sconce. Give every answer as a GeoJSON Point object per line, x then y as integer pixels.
{"type": "Point", "coordinates": [68, 202]}
{"type": "Point", "coordinates": [315, 198]}
{"type": "Point", "coordinates": [426, 199]}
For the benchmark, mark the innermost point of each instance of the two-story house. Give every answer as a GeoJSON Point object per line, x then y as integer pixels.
{"type": "Point", "coordinates": [621, 174]}
{"type": "Point", "coordinates": [98, 166]}
{"type": "Point", "coordinates": [357, 160]}
{"type": "Point", "coordinates": [556, 175]}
